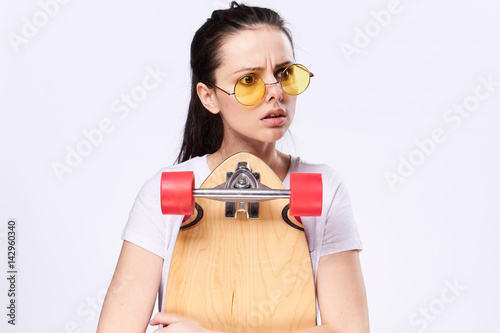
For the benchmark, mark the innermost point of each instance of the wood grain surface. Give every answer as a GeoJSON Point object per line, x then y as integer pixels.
{"type": "Point", "coordinates": [242, 275]}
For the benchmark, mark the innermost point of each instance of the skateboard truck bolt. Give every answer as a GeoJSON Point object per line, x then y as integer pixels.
{"type": "Point", "coordinates": [241, 179]}
{"type": "Point", "coordinates": [242, 192]}
{"type": "Point", "coordinates": [242, 183]}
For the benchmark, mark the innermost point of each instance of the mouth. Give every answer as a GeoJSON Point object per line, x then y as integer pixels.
{"type": "Point", "coordinates": [274, 115]}
{"type": "Point", "coordinates": [275, 118]}
{"type": "Point", "coordinates": [278, 113]}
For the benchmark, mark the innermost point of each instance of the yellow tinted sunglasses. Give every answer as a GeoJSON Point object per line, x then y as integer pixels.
{"type": "Point", "coordinates": [250, 89]}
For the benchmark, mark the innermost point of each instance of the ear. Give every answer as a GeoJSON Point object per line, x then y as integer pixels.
{"type": "Point", "coordinates": [207, 97]}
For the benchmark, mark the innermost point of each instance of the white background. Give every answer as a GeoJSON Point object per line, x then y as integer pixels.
{"type": "Point", "coordinates": [362, 114]}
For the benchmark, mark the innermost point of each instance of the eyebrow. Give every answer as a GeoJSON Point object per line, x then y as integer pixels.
{"type": "Point", "coordinates": [254, 69]}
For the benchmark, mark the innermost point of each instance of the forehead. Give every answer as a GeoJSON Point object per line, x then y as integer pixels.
{"type": "Point", "coordinates": [261, 47]}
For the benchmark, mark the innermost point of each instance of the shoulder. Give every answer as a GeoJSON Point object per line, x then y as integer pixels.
{"type": "Point", "coordinates": [334, 188]}
{"type": "Point", "coordinates": [193, 164]}
{"type": "Point", "coordinates": [197, 165]}
{"type": "Point", "coordinates": [147, 226]}
{"type": "Point", "coordinates": [335, 230]}
{"type": "Point", "coordinates": [329, 174]}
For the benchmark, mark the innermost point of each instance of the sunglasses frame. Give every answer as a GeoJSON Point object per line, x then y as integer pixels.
{"type": "Point", "coordinates": [265, 84]}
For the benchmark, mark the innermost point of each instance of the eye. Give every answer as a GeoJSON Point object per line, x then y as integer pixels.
{"type": "Point", "coordinates": [285, 73]}
{"type": "Point", "coordinates": [248, 79]}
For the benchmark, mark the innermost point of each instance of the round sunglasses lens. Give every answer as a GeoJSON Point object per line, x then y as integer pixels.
{"type": "Point", "coordinates": [249, 90]}
{"type": "Point", "coordinates": [295, 79]}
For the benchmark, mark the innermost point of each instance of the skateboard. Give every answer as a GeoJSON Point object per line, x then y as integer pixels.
{"type": "Point", "coordinates": [241, 261]}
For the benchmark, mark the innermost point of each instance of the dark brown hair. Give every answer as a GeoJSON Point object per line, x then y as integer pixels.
{"type": "Point", "coordinates": [204, 131]}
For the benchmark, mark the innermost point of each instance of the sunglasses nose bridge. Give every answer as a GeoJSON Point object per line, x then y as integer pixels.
{"type": "Point", "coordinates": [269, 91]}
{"type": "Point", "coordinates": [277, 83]}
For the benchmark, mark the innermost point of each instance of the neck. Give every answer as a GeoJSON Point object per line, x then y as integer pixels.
{"type": "Point", "coordinates": [277, 161]}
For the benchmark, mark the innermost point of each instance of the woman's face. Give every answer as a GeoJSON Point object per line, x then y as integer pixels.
{"type": "Point", "coordinates": [264, 51]}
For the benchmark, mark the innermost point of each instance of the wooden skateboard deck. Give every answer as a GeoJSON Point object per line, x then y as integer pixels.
{"type": "Point", "coordinates": [242, 275]}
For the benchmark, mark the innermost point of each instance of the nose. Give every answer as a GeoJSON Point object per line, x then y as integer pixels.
{"type": "Point", "coordinates": [274, 91]}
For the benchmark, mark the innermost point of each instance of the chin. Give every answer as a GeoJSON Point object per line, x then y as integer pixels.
{"type": "Point", "coordinates": [274, 137]}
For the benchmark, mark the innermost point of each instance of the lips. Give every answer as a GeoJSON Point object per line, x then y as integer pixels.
{"type": "Point", "coordinates": [274, 117]}
{"type": "Point", "coordinates": [277, 113]}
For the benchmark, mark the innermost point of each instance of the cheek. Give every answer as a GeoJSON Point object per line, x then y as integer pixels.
{"type": "Point", "coordinates": [289, 103]}
{"type": "Point", "coordinates": [233, 113]}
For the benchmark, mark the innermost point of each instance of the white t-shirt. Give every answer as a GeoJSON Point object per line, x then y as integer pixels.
{"type": "Point", "coordinates": [334, 231]}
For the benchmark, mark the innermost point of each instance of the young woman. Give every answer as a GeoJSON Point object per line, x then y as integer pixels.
{"type": "Point", "coordinates": [245, 83]}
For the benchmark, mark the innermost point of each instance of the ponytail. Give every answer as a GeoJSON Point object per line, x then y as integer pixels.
{"type": "Point", "coordinates": [203, 131]}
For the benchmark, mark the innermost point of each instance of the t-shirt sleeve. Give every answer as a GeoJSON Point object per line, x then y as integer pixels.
{"type": "Point", "coordinates": [146, 226]}
{"type": "Point", "coordinates": [340, 232]}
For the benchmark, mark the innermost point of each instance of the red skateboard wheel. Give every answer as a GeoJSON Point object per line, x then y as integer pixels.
{"type": "Point", "coordinates": [176, 193]}
{"type": "Point", "coordinates": [306, 197]}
